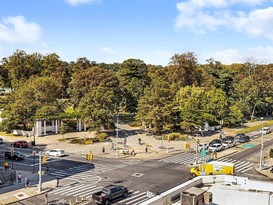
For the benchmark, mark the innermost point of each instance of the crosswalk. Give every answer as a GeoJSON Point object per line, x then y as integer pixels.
{"type": "Point", "coordinates": [85, 191]}
{"type": "Point", "coordinates": [189, 157]}
{"type": "Point", "coordinates": [88, 173]}
{"type": "Point", "coordinates": [185, 158]}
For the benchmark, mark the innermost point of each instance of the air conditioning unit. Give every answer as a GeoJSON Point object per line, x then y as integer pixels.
{"type": "Point", "coordinates": [192, 196]}
{"type": "Point", "coordinates": [207, 197]}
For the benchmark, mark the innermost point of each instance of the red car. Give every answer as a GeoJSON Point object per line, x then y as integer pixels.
{"type": "Point", "coordinates": [20, 144]}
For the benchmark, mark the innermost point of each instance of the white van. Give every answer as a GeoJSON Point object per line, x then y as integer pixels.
{"type": "Point", "coordinates": [264, 130]}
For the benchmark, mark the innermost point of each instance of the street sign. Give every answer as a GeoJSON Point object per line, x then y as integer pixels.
{"type": "Point", "coordinates": [248, 146]}
{"type": "Point", "coordinates": [203, 153]}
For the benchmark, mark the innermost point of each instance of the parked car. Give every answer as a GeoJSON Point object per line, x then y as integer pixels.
{"type": "Point", "coordinates": [55, 153]}
{"type": "Point", "coordinates": [202, 146]}
{"type": "Point", "coordinates": [1, 140]}
{"type": "Point", "coordinates": [215, 141]}
{"type": "Point", "coordinates": [244, 139]}
{"type": "Point", "coordinates": [20, 144]}
{"type": "Point", "coordinates": [110, 193]}
{"type": "Point", "coordinates": [215, 147]}
{"type": "Point", "coordinates": [264, 130]}
{"type": "Point", "coordinates": [228, 142]}
{"type": "Point", "coordinates": [16, 155]}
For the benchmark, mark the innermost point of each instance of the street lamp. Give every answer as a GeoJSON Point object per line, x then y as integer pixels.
{"type": "Point", "coordinates": [117, 136]}
{"type": "Point", "coordinates": [262, 147]}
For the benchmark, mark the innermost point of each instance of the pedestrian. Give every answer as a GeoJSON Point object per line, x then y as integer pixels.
{"type": "Point", "coordinates": [27, 183]}
{"type": "Point", "coordinates": [271, 170]}
{"type": "Point", "coordinates": [103, 150]}
{"type": "Point", "coordinates": [146, 149]}
{"type": "Point", "coordinates": [19, 177]}
{"type": "Point", "coordinates": [133, 153]}
{"type": "Point", "coordinates": [6, 165]}
{"type": "Point", "coordinates": [47, 169]}
{"type": "Point", "coordinates": [139, 141]}
{"type": "Point", "coordinates": [57, 182]}
{"type": "Point", "coordinates": [46, 198]}
{"type": "Point", "coordinates": [112, 146]}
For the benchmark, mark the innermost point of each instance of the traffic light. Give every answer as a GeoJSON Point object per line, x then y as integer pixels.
{"type": "Point", "coordinates": [198, 141]}
{"type": "Point", "coordinates": [44, 159]}
{"type": "Point", "coordinates": [88, 157]}
{"type": "Point", "coordinates": [262, 146]}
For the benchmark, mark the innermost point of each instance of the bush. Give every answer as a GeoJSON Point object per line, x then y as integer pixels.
{"type": "Point", "coordinates": [175, 136]}
{"type": "Point", "coordinates": [102, 136]}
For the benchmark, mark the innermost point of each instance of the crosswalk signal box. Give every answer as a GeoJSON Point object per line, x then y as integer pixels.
{"type": "Point", "coordinates": [44, 159]}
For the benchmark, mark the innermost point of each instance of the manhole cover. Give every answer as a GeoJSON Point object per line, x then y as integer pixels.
{"type": "Point", "coordinates": [137, 175]}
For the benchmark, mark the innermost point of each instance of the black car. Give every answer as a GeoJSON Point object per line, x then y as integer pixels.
{"type": "Point", "coordinates": [16, 155]}
{"type": "Point", "coordinates": [244, 138]}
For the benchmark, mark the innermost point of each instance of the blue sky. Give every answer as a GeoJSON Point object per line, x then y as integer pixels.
{"type": "Point", "coordinates": [230, 31]}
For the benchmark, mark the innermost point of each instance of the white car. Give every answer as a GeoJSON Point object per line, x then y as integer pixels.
{"type": "Point", "coordinates": [215, 147]}
{"type": "Point", "coordinates": [264, 130]}
{"type": "Point", "coordinates": [55, 153]}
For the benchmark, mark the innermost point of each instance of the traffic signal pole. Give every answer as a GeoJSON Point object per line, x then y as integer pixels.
{"type": "Point", "coordinates": [40, 173]}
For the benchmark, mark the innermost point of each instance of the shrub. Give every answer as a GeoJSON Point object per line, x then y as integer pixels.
{"type": "Point", "coordinates": [102, 136]}
{"type": "Point", "coordinates": [175, 136]}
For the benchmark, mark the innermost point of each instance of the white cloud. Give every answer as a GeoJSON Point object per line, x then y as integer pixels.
{"type": "Point", "coordinates": [15, 29]}
{"type": "Point", "coordinates": [263, 55]}
{"type": "Point", "coordinates": [78, 2]}
{"type": "Point", "coordinates": [107, 50]}
{"type": "Point", "coordinates": [257, 23]}
{"type": "Point", "coordinates": [203, 15]}
{"type": "Point", "coordinates": [163, 55]}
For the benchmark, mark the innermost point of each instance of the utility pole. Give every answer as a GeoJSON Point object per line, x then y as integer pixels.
{"type": "Point", "coordinates": [40, 173]}
{"type": "Point", "coordinates": [262, 147]}
{"type": "Point", "coordinates": [117, 136]}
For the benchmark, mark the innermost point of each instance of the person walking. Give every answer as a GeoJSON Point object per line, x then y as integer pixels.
{"type": "Point", "coordinates": [6, 165]}
{"type": "Point", "coordinates": [58, 181]}
{"type": "Point", "coordinates": [139, 141]}
{"type": "Point", "coordinates": [146, 149]}
{"type": "Point", "coordinates": [27, 183]}
{"type": "Point", "coordinates": [19, 177]}
{"type": "Point", "coordinates": [103, 150]}
{"type": "Point", "coordinates": [47, 169]}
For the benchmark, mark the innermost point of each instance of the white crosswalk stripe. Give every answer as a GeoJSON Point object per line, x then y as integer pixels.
{"type": "Point", "coordinates": [190, 157]}
{"type": "Point", "coordinates": [90, 173]}
{"type": "Point", "coordinates": [185, 158]}
{"type": "Point", "coordinates": [86, 191]}
{"type": "Point", "coordinates": [240, 166]}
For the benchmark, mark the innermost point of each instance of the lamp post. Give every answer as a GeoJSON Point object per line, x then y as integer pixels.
{"type": "Point", "coordinates": [117, 136]}
{"type": "Point", "coordinates": [262, 147]}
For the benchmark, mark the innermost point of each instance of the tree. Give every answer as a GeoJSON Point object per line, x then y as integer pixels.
{"type": "Point", "coordinates": [189, 102]}
{"type": "Point", "coordinates": [98, 108]}
{"type": "Point", "coordinates": [83, 82]}
{"type": "Point", "coordinates": [133, 77]}
{"type": "Point", "coordinates": [34, 98]}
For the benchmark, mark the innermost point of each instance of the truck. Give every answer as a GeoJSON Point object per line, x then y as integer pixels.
{"type": "Point", "coordinates": [109, 194]}
{"type": "Point", "coordinates": [213, 168]}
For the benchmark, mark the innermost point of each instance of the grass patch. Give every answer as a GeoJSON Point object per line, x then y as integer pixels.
{"type": "Point", "coordinates": [255, 127]}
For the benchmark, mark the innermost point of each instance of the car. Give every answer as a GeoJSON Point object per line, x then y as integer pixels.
{"type": "Point", "coordinates": [55, 153]}
{"type": "Point", "coordinates": [264, 130]}
{"type": "Point", "coordinates": [244, 139]}
{"type": "Point", "coordinates": [202, 146]}
{"type": "Point", "coordinates": [20, 143]}
{"type": "Point", "coordinates": [215, 141]}
{"type": "Point", "coordinates": [16, 155]}
{"type": "Point", "coordinates": [1, 140]}
{"type": "Point", "coordinates": [215, 147]}
{"type": "Point", "coordinates": [228, 141]}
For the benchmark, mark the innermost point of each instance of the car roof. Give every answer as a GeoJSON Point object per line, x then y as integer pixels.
{"type": "Point", "coordinates": [56, 150]}
{"type": "Point", "coordinates": [265, 128]}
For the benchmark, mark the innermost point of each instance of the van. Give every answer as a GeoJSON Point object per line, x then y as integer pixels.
{"type": "Point", "coordinates": [213, 168]}
{"type": "Point", "coordinates": [264, 130]}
